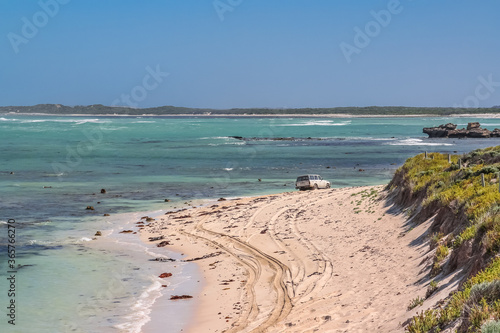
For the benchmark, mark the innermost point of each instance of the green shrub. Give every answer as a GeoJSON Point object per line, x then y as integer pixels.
{"type": "Point", "coordinates": [435, 238]}
{"type": "Point", "coordinates": [415, 302]}
{"type": "Point", "coordinates": [431, 289]}
{"type": "Point", "coordinates": [491, 327]}
{"type": "Point", "coordinates": [478, 314]}
{"type": "Point", "coordinates": [441, 253]}
{"type": "Point", "coordinates": [423, 322]}
{"type": "Point", "coordinates": [464, 236]}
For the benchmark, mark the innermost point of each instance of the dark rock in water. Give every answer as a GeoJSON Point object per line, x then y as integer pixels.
{"type": "Point", "coordinates": [167, 200]}
{"type": "Point", "coordinates": [153, 239]}
{"type": "Point", "coordinates": [165, 275]}
{"type": "Point", "coordinates": [103, 190]}
{"type": "Point", "coordinates": [495, 133]}
{"type": "Point", "coordinates": [473, 130]}
{"type": "Point", "coordinates": [126, 231]}
{"type": "Point", "coordinates": [222, 199]}
{"type": "Point", "coordinates": [106, 215]}
{"type": "Point", "coordinates": [98, 233]}
{"type": "Point", "coordinates": [89, 208]}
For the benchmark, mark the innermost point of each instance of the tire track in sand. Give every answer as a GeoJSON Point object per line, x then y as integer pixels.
{"type": "Point", "coordinates": [255, 261]}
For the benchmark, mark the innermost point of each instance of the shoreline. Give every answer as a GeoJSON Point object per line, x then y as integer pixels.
{"type": "Point", "coordinates": [292, 115]}
{"type": "Point", "coordinates": [299, 260]}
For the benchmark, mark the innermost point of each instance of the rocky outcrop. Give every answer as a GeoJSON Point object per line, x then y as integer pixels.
{"type": "Point", "coordinates": [440, 131]}
{"type": "Point", "coordinates": [450, 130]}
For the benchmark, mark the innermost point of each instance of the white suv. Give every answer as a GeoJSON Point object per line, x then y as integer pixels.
{"type": "Point", "coordinates": [311, 182]}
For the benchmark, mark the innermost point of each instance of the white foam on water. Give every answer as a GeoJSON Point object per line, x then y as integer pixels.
{"type": "Point", "coordinates": [214, 137]}
{"type": "Point", "coordinates": [417, 142]}
{"type": "Point", "coordinates": [141, 309]}
{"type": "Point", "coordinates": [75, 121]}
{"type": "Point", "coordinates": [318, 123]}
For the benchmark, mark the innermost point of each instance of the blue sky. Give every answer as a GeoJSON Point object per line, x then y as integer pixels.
{"type": "Point", "coordinates": [250, 53]}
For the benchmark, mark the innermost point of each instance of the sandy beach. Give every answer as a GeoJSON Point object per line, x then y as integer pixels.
{"type": "Point", "coordinates": [336, 260]}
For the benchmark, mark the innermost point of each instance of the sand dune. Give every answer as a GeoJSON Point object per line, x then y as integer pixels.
{"type": "Point", "coordinates": [317, 261]}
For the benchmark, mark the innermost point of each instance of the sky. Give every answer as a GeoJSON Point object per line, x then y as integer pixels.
{"type": "Point", "coordinates": [250, 53]}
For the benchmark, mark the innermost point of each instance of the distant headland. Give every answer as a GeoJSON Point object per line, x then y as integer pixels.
{"type": "Point", "coordinates": [59, 109]}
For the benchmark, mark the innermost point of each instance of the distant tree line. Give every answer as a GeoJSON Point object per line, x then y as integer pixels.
{"type": "Point", "coordinates": [59, 109]}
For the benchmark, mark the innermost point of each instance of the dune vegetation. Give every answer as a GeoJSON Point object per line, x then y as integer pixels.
{"type": "Point", "coordinates": [461, 196]}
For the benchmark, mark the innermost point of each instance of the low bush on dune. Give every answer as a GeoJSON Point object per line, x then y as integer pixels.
{"type": "Point", "coordinates": [491, 327]}
{"type": "Point", "coordinates": [466, 220]}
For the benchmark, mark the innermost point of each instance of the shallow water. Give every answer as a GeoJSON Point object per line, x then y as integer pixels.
{"type": "Point", "coordinates": [52, 168]}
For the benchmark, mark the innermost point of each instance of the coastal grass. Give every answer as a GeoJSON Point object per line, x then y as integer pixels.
{"type": "Point", "coordinates": [415, 302]}
{"type": "Point", "coordinates": [431, 289]}
{"type": "Point", "coordinates": [442, 252]}
{"type": "Point", "coordinates": [456, 186]}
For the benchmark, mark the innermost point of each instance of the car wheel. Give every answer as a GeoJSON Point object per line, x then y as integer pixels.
{"type": "Point", "coordinates": [316, 186]}
{"type": "Point", "coordinates": [327, 185]}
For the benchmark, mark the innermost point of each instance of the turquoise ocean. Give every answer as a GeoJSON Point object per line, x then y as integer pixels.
{"type": "Point", "coordinates": [53, 167]}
